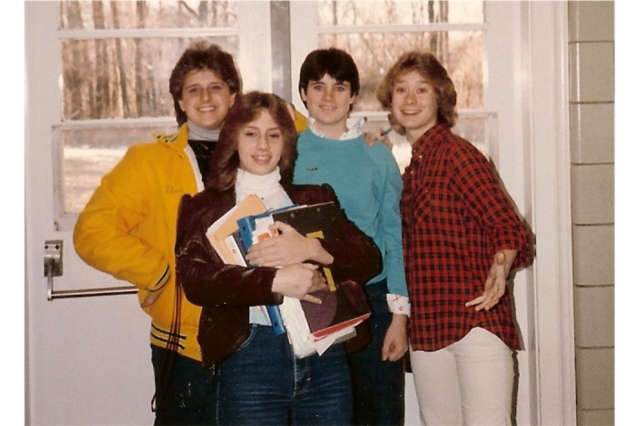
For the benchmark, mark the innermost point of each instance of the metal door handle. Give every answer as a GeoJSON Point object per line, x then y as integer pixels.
{"type": "Point", "coordinates": [52, 263]}
{"type": "Point", "coordinates": [53, 268]}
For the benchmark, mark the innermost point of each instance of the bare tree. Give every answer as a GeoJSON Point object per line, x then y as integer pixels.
{"type": "Point", "coordinates": [190, 11]}
{"type": "Point", "coordinates": [122, 69]}
{"type": "Point", "coordinates": [334, 18]}
{"type": "Point", "coordinates": [73, 65]}
{"type": "Point", "coordinates": [444, 36]}
{"type": "Point", "coordinates": [432, 18]}
{"type": "Point", "coordinates": [214, 17]}
{"type": "Point", "coordinates": [142, 82]}
{"type": "Point", "coordinates": [203, 12]}
{"type": "Point", "coordinates": [100, 102]}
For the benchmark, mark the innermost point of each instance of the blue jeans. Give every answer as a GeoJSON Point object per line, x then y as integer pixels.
{"type": "Point", "coordinates": [189, 398]}
{"type": "Point", "coordinates": [263, 383]}
{"type": "Point", "coordinates": [378, 386]}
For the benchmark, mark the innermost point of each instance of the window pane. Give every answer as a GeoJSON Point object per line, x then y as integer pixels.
{"type": "Point", "coordinates": [89, 15]}
{"type": "Point", "coordinates": [474, 129]}
{"type": "Point", "coordinates": [123, 77]}
{"type": "Point", "coordinates": [393, 12]}
{"type": "Point", "coordinates": [90, 153]}
{"type": "Point", "coordinates": [461, 52]}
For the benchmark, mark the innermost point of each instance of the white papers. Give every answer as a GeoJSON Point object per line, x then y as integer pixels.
{"type": "Point", "coordinates": [299, 334]}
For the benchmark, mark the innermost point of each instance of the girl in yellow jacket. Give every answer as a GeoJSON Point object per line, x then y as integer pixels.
{"type": "Point", "coordinates": [128, 227]}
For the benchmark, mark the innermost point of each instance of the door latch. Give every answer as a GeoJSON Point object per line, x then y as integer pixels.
{"type": "Point", "coordinates": [52, 263]}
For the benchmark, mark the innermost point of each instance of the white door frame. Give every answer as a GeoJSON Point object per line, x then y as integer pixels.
{"type": "Point", "coordinates": [544, 291]}
{"type": "Point", "coordinates": [546, 119]}
{"type": "Point", "coordinates": [542, 74]}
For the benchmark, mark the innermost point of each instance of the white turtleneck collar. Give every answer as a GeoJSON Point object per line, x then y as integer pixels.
{"type": "Point", "coordinates": [198, 133]}
{"type": "Point", "coordinates": [266, 187]}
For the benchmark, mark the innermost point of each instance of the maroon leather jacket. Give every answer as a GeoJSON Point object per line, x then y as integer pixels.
{"type": "Point", "coordinates": [226, 292]}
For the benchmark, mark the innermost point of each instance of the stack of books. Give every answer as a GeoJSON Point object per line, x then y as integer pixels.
{"type": "Point", "coordinates": [311, 328]}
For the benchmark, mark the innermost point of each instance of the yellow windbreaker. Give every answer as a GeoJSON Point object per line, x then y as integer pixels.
{"type": "Point", "coordinates": [128, 230]}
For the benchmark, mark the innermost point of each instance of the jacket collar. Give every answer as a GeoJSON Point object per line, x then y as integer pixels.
{"type": "Point", "coordinates": [178, 140]}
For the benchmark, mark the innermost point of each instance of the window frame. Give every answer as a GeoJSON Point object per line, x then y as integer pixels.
{"type": "Point", "coordinates": [254, 49]}
{"type": "Point", "coordinates": [304, 17]}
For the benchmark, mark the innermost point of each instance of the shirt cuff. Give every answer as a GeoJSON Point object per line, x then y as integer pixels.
{"type": "Point", "coordinates": [398, 304]}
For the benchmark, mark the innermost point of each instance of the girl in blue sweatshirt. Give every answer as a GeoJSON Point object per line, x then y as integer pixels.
{"type": "Point", "coordinates": [368, 184]}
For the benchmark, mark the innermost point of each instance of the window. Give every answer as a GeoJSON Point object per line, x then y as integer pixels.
{"type": "Point", "coordinates": [115, 61]}
{"type": "Point", "coordinates": [377, 32]}
{"type": "Point", "coordinates": [117, 56]}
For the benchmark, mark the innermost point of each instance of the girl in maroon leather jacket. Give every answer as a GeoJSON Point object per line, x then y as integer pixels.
{"type": "Point", "coordinates": [259, 379]}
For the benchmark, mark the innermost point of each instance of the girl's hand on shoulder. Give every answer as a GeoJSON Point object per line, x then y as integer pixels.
{"type": "Point", "coordinates": [380, 134]}
{"type": "Point", "coordinates": [298, 280]}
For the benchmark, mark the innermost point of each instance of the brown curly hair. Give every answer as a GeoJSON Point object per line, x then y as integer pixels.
{"type": "Point", "coordinates": [225, 160]}
{"type": "Point", "coordinates": [428, 66]}
{"type": "Point", "coordinates": [202, 56]}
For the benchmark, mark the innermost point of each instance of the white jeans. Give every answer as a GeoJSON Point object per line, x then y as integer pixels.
{"type": "Point", "coordinates": [469, 382]}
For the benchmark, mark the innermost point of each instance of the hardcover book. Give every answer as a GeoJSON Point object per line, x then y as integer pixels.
{"type": "Point", "coordinates": [314, 328]}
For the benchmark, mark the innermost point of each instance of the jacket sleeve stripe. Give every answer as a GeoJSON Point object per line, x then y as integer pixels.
{"type": "Point", "coordinates": [162, 281]}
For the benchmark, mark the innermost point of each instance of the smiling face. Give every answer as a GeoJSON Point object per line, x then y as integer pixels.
{"type": "Point", "coordinates": [328, 102]}
{"type": "Point", "coordinates": [206, 99]}
{"type": "Point", "coordinates": [414, 104]}
{"type": "Point", "coordinates": [260, 145]}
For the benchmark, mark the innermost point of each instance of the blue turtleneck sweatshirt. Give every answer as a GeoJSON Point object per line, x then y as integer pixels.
{"type": "Point", "coordinates": [368, 184]}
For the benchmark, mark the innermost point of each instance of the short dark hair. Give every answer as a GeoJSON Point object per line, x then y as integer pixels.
{"type": "Point", "coordinates": [428, 66]}
{"type": "Point", "coordinates": [202, 56]}
{"type": "Point", "coordinates": [225, 160]}
{"type": "Point", "coordinates": [335, 62]}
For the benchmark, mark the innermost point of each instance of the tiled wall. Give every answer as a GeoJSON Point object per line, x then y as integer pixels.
{"type": "Point", "coordinates": [591, 49]}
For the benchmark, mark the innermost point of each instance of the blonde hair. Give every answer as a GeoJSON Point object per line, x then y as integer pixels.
{"type": "Point", "coordinates": [428, 66]}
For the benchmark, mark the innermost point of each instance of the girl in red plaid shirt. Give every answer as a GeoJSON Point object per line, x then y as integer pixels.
{"type": "Point", "coordinates": [462, 238]}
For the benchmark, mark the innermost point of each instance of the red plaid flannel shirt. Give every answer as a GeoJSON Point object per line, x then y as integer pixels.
{"type": "Point", "coordinates": [455, 218]}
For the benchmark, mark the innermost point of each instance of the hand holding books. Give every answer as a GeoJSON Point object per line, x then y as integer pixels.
{"type": "Point", "coordinates": [288, 248]}
{"type": "Point", "coordinates": [289, 237]}
{"type": "Point", "coordinates": [298, 280]}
